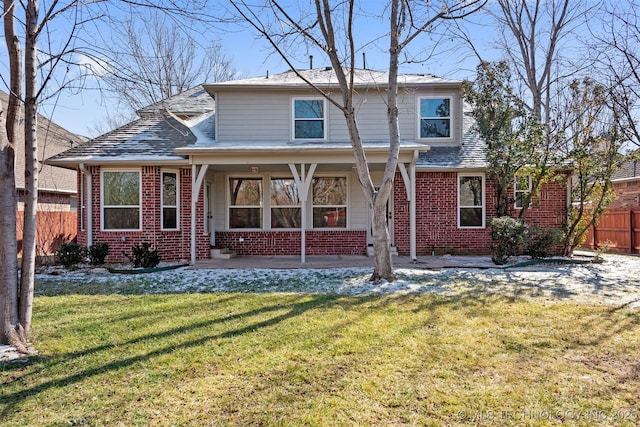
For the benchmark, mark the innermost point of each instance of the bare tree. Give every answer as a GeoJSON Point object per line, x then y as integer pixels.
{"type": "Point", "coordinates": [150, 58]}
{"type": "Point", "coordinates": [331, 28]}
{"type": "Point", "coordinates": [617, 50]}
{"type": "Point", "coordinates": [44, 52]}
{"type": "Point", "coordinates": [12, 331]}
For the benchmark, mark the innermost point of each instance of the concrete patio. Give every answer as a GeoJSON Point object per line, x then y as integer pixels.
{"type": "Point", "coordinates": [343, 261]}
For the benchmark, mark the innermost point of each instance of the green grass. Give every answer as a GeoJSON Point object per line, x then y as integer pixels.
{"type": "Point", "coordinates": [290, 359]}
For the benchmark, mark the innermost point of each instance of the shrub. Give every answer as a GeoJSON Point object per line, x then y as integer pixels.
{"type": "Point", "coordinates": [543, 240]}
{"type": "Point", "coordinates": [69, 254]}
{"type": "Point", "coordinates": [97, 253]}
{"type": "Point", "coordinates": [509, 238]}
{"type": "Point", "coordinates": [143, 256]}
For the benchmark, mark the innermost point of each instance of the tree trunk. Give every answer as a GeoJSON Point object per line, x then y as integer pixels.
{"type": "Point", "coordinates": [12, 332]}
{"type": "Point", "coordinates": [30, 170]}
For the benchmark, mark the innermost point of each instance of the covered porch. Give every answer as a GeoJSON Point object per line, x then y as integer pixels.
{"type": "Point", "coordinates": [290, 199]}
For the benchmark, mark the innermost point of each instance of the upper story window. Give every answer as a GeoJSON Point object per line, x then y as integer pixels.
{"type": "Point", "coordinates": [245, 207]}
{"type": "Point", "coordinates": [435, 117]}
{"type": "Point", "coordinates": [169, 201]}
{"type": "Point", "coordinates": [471, 200]}
{"type": "Point", "coordinates": [121, 200]}
{"type": "Point", "coordinates": [309, 118]}
{"type": "Point", "coordinates": [521, 190]}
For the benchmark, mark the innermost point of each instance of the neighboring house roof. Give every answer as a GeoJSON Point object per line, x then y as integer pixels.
{"type": "Point", "coordinates": [628, 171]}
{"type": "Point", "coordinates": [52, 139]}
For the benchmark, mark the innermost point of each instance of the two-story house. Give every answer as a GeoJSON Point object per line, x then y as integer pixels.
{"type": "Point", "coordinates": [264, 166]}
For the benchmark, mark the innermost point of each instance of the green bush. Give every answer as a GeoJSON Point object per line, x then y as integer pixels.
{"type": "Point", "coordinates": [143, 256]}
{"type": "Point", "coordinates": [509, 238]}
{"type": "Point", "coordinates": [543, 241]}
{"type": "Point", "coordinates": [97, 253]}
{"type": "Point", "coordinates": [69, 254]}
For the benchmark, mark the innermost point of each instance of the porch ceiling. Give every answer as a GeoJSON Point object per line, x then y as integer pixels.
{"type": "Point", "coordinates": [256, 154]}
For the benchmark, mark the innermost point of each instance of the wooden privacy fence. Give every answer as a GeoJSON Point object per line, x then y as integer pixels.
{"type": "Point", "coordinates": [618, 230]}
{"type": "Point", "coordinates": [52, 229]}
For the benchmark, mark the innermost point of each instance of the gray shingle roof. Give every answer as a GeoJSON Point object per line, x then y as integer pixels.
{"type": "Point", "coordinates": [323, 77]}
{"type": "Point", "coordinates": [191, 102]}
{"type": "Point", "coordinates": [472, 154]}
{"type": "Point", "coordinates": [628, 170]}
{"type": "Point", "coordinates": [150, 138]}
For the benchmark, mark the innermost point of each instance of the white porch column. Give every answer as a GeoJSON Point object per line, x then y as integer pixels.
{"type": "Point", "coordinates": [409, 179]}
{"type": "Point", "coordinates": [197, 177]}
{"type": "Point", "coordinates": [303, 183]}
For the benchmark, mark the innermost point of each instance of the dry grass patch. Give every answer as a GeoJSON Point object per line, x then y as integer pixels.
{"type": "Point", "coordinates": [286, 359]}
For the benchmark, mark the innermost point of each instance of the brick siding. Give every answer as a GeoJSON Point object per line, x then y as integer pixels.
{"type": "Point", "coordinates": [437, 215]}
{"type": "Point", "coordinates": [318, 242]}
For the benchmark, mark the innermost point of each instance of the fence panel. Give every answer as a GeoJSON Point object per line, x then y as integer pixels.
{"type": "Point", "coordinates": [52, 229]}
{"type": "Point", "coordinates": [618, 230]}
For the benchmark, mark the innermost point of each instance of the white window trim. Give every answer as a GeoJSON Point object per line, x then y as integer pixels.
{"type": "Point", "coordinates": [312, 205]}
{"type": "Point", "coordinates": [451, 118]}
{"type": "Point", "coordinates": [293, 117]}
{"type": "Point", "coordinates": [516, 191]}
{"type": "Point", "coordinates": [484, 201]}
{"type": "Point", "coordinates": [162, 205]}
{"type": "Point", "coordinates": [262, 205]}
{"type": "Point", "coordinates": [102, 205]}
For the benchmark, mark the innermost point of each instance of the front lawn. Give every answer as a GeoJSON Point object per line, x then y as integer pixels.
{"type": "Point", "coordinates": [293, 359]}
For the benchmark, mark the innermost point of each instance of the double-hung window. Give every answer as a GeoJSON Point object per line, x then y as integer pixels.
{"type": "Point", "coordinates": [309, 118]}
{"type": "Point", "coordinates": [521, 190]}
{"type": "Point", "coordinates": [330, 202]}
{"type": "Point", "coordinates": [245, 206]}
{"type": "Point", "coordinates": [285, 204]}
{"type": "Point", "coordinates": [169, 201]}
{"type": "Point", "coordinates": [471, 201]}
{"type": "Point", "coordinates": [121, 200]}
{"type": "Point", "coordinates": [435, 117]}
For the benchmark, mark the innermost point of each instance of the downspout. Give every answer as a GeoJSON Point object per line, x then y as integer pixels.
{"type": "Point", "coordinates": [89, 196]}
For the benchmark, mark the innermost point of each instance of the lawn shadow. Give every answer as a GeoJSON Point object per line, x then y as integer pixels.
{"type": "Point", "coordinates": [297, 305]}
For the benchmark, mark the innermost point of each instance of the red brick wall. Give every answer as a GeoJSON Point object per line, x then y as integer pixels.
{"type": "Point", "coordinates": [437, 215]}
{"type": "Point", "coordinates": [171, 245]}
{"type": "Point", "coordinates": [627, 194]}
{"type": "Point", "coordinates": [318, 242]}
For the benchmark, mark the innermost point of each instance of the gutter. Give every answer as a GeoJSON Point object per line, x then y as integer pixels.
{"type": "Point", "coordinates": [89, 211]}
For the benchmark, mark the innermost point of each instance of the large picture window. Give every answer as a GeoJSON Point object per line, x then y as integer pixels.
{"type": "Point", "coordinates": [330, 202]}
{"type": "Point", "coordinates": [169, 201]}
{"type": "Point", "coordinates": [435, 117]}
{"type": "Point", "coordinates": [308, 119]}
{"type": "Point", "coordinates": [121, 200]}
{"type": "Point", "coordinates": [245, 207]}
{"type": "Point", "coordinates": [471, 201]}
{"type": "Point", "coordinates": [285, 204]}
